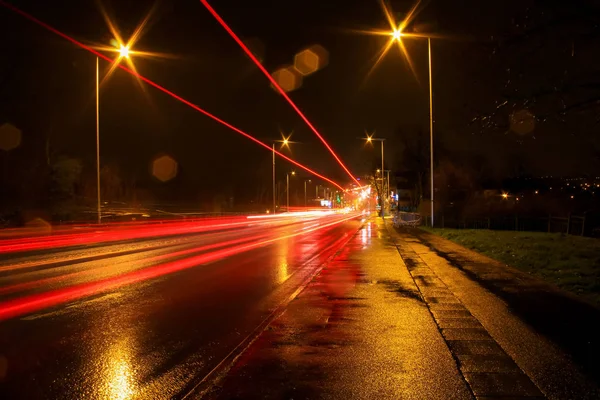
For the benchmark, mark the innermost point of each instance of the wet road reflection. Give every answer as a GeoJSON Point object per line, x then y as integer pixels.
{"type": "Point", "coordinates": [153, 322]}
{"type": "Point", "coordinates": [118, 375]}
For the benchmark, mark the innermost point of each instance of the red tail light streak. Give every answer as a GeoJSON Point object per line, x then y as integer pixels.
{"type": "Point", "coordinates": [144, 230]}
{"type": "Point", "coordinates": [32, 303]}
{"type": "Point", "coordinates": [111, 268]}
{"type": "Point", "coordinates": [168, 92]}
{"type": "Point", "coordinates": [110, 235]}
{"type": "Point", "coordinates": [276, 85]}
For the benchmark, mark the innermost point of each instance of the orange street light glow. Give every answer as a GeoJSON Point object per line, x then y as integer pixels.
{"type": "Point", "coordinates": [124, 51]}
{"type": "Point", "coordinates": [395, 34]}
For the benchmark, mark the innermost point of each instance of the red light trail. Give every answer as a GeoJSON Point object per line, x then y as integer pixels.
{"type": "Point", "coordinates": [129, 232]}
{"type": "Point", "coordinates": [36, 302]}
{"type": "Point", "coordinates": [109, 268]}
{"type": "Point", "coordinates": [175, 96]}
{"type": "Point", "coordinates": [276, 85]}
{"type": "Point", "coordinates": [154, 230]}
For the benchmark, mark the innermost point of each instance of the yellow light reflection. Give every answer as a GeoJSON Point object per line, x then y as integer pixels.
{"type": "Point", "coordinates": [118, 373]}
{"type": "Point", "coordinates": [282, 273]}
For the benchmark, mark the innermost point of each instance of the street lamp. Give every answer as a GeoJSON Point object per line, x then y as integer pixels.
{"type": "Point", "coordinates": [284, 142]}
{"type": "Point", "coordinates": [123, 53]}
{"type": "Point", "coordinates": [397, 35]}
{"type": "Point", "coordinates": [309, 181]}
{"type": "Point", "coordinates": [371, 139]}
{"type": "Point", "coordinates": [288, 189]}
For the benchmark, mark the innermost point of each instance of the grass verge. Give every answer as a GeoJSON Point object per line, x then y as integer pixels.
{"type": "Point", "coordinates": [570, 262]}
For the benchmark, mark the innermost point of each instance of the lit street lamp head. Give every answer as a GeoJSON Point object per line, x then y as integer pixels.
{"type": "Point", "coordinates": [397, 34]}
{"type": "Point", "coordinates": [293, 172]}
{"type": "Point", "coordinates": [124, 51]}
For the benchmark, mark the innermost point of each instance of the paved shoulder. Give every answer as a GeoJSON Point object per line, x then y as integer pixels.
{"type": "Point", "coordinates": [360, 330]}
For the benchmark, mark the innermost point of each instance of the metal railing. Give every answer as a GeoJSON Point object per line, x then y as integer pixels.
{"type": "Point", "coordinates": [407, 219]}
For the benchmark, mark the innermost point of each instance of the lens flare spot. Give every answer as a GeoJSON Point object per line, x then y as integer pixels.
{"type": "Point", "coordinates": [311, 59]}
{"type": "Point", "coordinates": [522, 122]}
{"type": "Point", "coordinates": [10, 137]}
{"type": "Point", "coordinates": [164, 168]}
{"type": "Point", "coordinates": [287, 78]}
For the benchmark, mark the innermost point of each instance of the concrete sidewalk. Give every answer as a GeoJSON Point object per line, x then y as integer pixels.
{"type": "Point", "coordinates": [388, 318]}
{"type": "Point", "coordinates": [552, 335]}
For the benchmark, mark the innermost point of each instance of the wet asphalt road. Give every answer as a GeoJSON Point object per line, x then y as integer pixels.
{"type": "Point", "coordinates": [188, 302]}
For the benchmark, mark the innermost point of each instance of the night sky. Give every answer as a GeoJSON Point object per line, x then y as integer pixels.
{"type": "Point", "coordinates": [487, 54]}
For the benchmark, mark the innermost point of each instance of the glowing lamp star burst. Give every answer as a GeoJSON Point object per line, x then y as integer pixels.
{"type": "Point", "coordinates": [395, 33]}
{"type": "Point", "coordinates": [124, 51]}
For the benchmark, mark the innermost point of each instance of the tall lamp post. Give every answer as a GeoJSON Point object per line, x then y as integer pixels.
{"type": "Point", "coordinates": [123, 53]}
{"type": "Point", "coordinates": [274, 190]}
{"type": "Point", "coordinates": [397, 34]}
{"type": "Point", "coordinates": [98, 139]}
{"type": "Point", "coordinates": [288, 189]}
{"type": "Point", "coordinates": [371, 139]}
{"type": "Point", "coordinates": [284, 142]}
